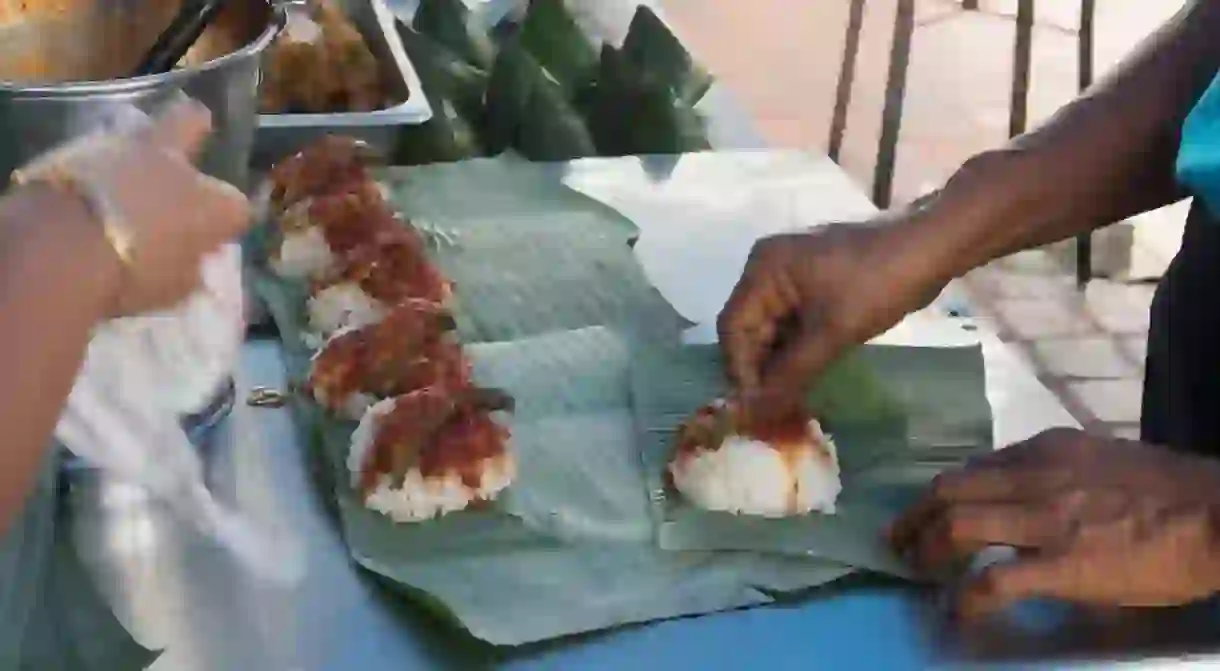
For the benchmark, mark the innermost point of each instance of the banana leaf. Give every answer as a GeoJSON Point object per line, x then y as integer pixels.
{"type": "Point", "coordinates": [552, 36]}
{"type": "Point", "coordinates": [527, 255]}
{"type": "Point", "coordinates": [572, 436]}
{"type": "Point", "coordinates": [509, 581]}
{"type": "Point", "coordinates": [632, 115]}
{"type": "Point", "coordinates": [657, 54]}
{"type": "Point", "coordinates": [527, 110]}
{"type": "Point", "coordinates": [449, 23]}
{"type": "Point", "coordinates": [508, 575]}
{"type": "Point", "coordinates": [922, 410]}
{"type": "Point", "coordinates": [519, 596]}
{"type": "Point", "coordinates": [563, 260]}
{"type": "Point", "coordinates": [444, 74]}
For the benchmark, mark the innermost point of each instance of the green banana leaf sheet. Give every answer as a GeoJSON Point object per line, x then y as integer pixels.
{"type": "Point", "coordinates": [528, 111]}
{"type": "Point", "coordinates": [551, 303]}
{"type": "Point", "coordinates": [528, 255]}
{"type": "Point", "coordinates": [562, 260]}
{"type": "Point", "coordinates": [898, 415]}
{"type": "Point", "coordinates": [573, 440]}
{"type": "Point", "coordinates": [585, 558]}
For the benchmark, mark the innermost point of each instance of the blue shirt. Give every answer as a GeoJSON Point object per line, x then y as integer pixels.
{"type": "Point", "coordinates": [1198, 165]}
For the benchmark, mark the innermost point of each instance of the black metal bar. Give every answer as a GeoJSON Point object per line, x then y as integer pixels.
{"type": "Point", "coordinates": [847, 75]}
{"type": "Point", "coordinates": [1084, 242]}
{"type": "Point", "coordinates": [1022, 56]}
{"type": "Point", "coordinates": [891, 116]}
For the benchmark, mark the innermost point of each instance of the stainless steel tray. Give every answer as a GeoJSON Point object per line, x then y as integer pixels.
{"type": "Point", "coordinates": [279, 135]}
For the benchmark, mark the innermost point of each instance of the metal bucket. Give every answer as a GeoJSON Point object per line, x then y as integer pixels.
{"type": "Point", "coordinates": [62, 63]}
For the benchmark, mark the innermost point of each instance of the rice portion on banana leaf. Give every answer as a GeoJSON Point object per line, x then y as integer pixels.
{"type": "Point", "coordinates": [898, 415]}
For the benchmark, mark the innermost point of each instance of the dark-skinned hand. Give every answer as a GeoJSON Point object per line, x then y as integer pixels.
{"type": "Point", "coordinates": [805, 298]}
{"type": "Point", "coordinates": [1097, 521]}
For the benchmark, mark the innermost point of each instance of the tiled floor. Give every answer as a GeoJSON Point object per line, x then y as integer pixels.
{"type": "Point", "coordinates": [781, 59]}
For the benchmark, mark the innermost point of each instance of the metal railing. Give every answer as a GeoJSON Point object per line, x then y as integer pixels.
{"type": "Point", "coordinates": [895, 92]}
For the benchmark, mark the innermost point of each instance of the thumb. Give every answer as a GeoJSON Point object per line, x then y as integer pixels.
{"type": "Point", "coordinates": [181, 128]}
{"type": "Point", "coordinates": [999, 585]}
{"type": "Point", "coordinates": [800, 356]}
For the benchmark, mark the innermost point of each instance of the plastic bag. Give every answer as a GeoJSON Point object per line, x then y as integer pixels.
{"type": "Point", "coordinates": [142, 375]}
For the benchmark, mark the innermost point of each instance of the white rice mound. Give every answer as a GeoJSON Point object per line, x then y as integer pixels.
{"type": "Point", "coordinates": [343, 305]}
{"type": "Point", "coordinates": [750, 477]}
{"type": "Point", "coordinates": [303, 254]}
{"type": "Point", "coordinates": [421, 499]}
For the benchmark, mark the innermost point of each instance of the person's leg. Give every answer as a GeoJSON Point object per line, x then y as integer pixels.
{"type": "Point", "coordinates": [1182, 378]}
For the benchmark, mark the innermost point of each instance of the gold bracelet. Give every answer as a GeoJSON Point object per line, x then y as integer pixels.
{"type": "Point", "coordinates": [114, 229]}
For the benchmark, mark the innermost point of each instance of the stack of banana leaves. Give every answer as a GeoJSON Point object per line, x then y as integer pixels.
{"type": "Point", "coordinates": [541, 89]}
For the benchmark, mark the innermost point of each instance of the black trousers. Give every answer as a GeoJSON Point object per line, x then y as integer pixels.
{"type": "Point", "coordinates": [1182, 382]}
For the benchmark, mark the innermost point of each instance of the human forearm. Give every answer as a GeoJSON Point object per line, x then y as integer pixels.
{"type": "Point", "coordinates": [1106, 156]}
{"type": "Point", "coordinates": [57, 276]}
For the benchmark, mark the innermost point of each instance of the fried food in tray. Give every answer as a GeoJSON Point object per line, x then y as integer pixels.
{"type": "Point", "coordinates": [431, 452]}
{"type": "Point", "coordinates": [334, 164]}
{"type": "Point", "coordinates": [727, 460]}
{"type": "Point", "coordinates": [413, 347]}
{"type": "Point", "coordinates": [373, 279]}
{"type": "Point", "coordinates": [320, 64]}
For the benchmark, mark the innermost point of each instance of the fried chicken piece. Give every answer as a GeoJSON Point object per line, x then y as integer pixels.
{"type": "Point", "coordinates": [354, 75]}
{"type": "Point", "coordinates": [321, 64]}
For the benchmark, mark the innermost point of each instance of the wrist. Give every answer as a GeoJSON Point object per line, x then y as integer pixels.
{"type": "Point", "coordinates": [968, 222]}
{"type": "Point", "coordinates": [51, 226]}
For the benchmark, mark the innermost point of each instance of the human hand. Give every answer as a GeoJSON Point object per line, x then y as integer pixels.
{"type": "Point", "coordinates": [171, 214]}
{"type": "Point", "coordinates": [1097, 521]}
{"type": "Point", "coordinates": [804, 298]}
